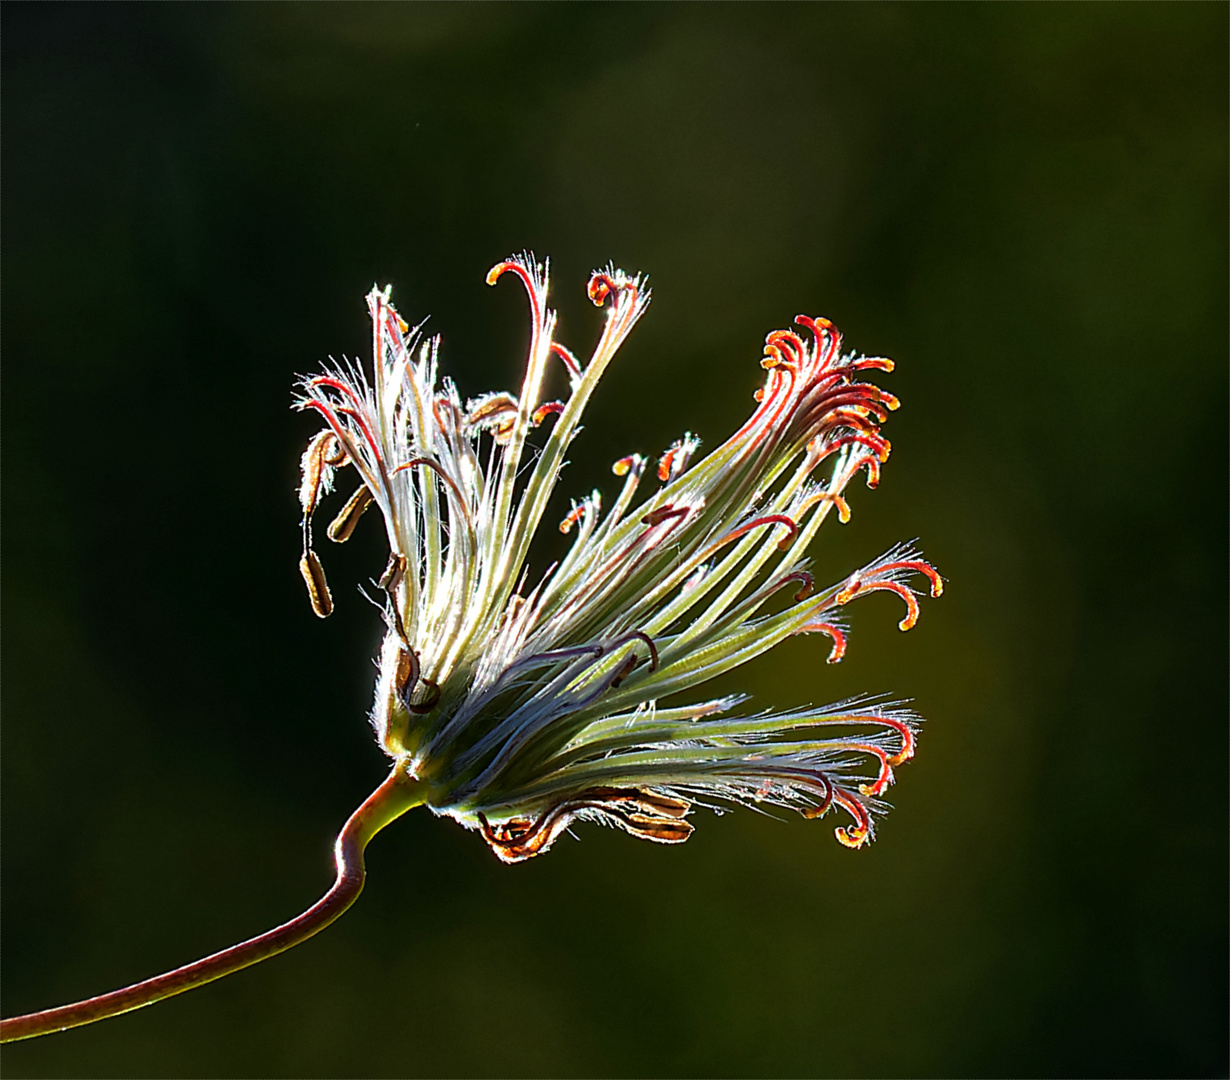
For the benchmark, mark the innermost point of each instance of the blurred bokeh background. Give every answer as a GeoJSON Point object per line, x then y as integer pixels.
{"type": "Point", "coordinates": [1024, 205]}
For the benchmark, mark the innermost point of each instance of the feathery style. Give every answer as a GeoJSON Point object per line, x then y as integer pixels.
{"type": "Point", "coordinates": [520, 708]}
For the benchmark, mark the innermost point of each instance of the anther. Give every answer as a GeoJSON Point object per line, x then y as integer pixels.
{"type": "Point", "coordinates": [342, 526]}
{"type": "Point", "coordinates": [407, 675]}
{"type": "Point", "coordinates": [333, 453]}
{"type": "Point", "coordinates": [393, 573]}
{"type": "Point", "coordinates": [317, 587]}
{"type": "Point", "coordinates": [625, 464]}
{"type": "Point", "coordinates": [625, 670]}
{"type": "Point", "coordinates": [312, 467]}
{"type": "Point", "coordinates": [662, 513]}
{"type": "Point", "coordinates": [430, 701]}
{"type": "Point", "coordinates": [571, 518]}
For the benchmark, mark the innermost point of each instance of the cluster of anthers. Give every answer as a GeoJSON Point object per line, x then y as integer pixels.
{"type": "Point", "coordinates": [519, 710]}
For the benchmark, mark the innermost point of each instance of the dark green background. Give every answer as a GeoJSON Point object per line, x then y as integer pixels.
{"type": "Point", "coordinates": [1024, 205]}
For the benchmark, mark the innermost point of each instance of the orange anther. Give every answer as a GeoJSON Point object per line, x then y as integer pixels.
{"type": "Point", "coordinates": [571, 518]}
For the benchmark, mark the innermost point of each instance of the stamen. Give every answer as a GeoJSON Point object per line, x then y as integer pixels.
{"type": "Point", "coordinates": [496, 413]}
{"type": "Point", "coordinates": [572, 517]}
{"type": "Point", "coordinates": [343, 526]}
{"type": "Point", "coordinates": [833, 631]}
{"type": "Point", "coordinates": [317, 587]}
{"type": "Point", "coordinates": [625, 464]}
{"type": "Point", "coordinates": [859, 587]}
{"type": "Point", "coordinates": [407, 675]}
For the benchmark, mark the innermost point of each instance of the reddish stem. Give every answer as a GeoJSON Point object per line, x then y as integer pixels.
{"type": "Point", "coordinates": [390, 800]}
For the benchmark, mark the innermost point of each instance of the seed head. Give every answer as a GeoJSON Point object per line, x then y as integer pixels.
{"type": "Point", "coordinates": [522, 706]}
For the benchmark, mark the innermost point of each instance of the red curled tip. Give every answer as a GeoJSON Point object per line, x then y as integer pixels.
{"type": "Point", "coordinates": [886, 772]}
{"type": "Point", "coordinates": [843, 507]}
{"type": "Point", "coordinates": [861, 833]}
{"type": "Point", "coordinates": [497, 271]}
{"type": "Point", "coordinates": [911, 601]}
{"type": "Point", "coordinates": [873, 471]}
{"type": "Point", "coordinates": [551, 408]}
{"type": "Point", "coordinates": [835, 632]}
{"type": "Point", "coordinates": [807, 584]}
{"type": "Point", "coordinates": [919, 567]}
{"type": "Point", "coordinates": [907, 739]}
{"type": "Point", "coordinates": [600, 287]}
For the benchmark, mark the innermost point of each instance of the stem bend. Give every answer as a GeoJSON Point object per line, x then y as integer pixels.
{"type": "Point", "coordinates": [399, 793]}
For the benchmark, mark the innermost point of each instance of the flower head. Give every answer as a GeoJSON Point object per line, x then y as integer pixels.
{"type": "Point", "coordinates": [522, 705]}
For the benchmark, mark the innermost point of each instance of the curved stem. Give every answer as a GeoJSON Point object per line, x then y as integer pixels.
{"type": "Point", "coordinates": [390, 800]}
